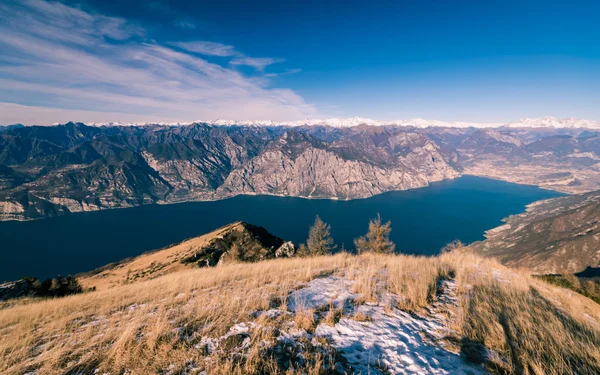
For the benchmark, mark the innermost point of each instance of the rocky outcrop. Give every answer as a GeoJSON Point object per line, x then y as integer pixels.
{"type": "Point", "coordinates": [240, 242]}
{"type": "Point", "coordinates": [286, 250]}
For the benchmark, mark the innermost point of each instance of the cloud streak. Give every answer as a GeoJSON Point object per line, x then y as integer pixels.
{"type": "Point", "coordinates": [259, 63]}
{"type": "Point", "coordinates": [224, 50]}
{"type": "Point", "coordinates": [63, 58]}
{"type": "Point", "coordinates": [207, 48]}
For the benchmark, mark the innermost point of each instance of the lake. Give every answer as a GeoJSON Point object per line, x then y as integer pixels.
{"type": "Point", "coordinates": [423, 221]}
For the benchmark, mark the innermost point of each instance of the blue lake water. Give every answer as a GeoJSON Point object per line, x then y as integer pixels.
{"type": "Point", "coordinates": [423, 221]}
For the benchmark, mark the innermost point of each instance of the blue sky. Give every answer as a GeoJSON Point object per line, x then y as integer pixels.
{"type": "Point", "coordinates": [133, 60]}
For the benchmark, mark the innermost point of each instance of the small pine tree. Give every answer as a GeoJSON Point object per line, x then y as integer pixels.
{"type": "Point", "coordinates": [377, 239]}
{"type": "Point", "coordinates": [319, 240]}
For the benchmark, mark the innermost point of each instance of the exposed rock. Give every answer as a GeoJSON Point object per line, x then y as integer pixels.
{"type": "Point", "coordinates": [75, 168]}
{"type": "Point", "coordinates": [300, 165]}
{"type": "Point", "coordinates": [241, 242]}
{"type": "Point", "coordinates": [560, 235]}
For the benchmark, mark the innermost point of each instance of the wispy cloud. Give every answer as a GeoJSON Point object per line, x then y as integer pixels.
{"type": "Point", "coordinates": [185, 24]}
{"type": "Point", "coordinates": [259, 63]}
{"type": "Point", "coordinates": [207, 48]}
{"type": "Point", "coordinates": [63, 58]}
{"type": "Point", "coordinates": [287, 72]}
{"type": "Point", "coordinates": [224, 50]}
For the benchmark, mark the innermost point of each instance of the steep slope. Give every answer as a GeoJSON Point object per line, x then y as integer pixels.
{"type": "Point", "coordinates": [237, 242]}
{"type": "Point", "coordinates": [560, 235]}
{"type": "Point", "coordinates": [10, 127]}
{"type": "Point", "coordinates": [90, 168]}
{"type": "Point", "coordinates": [298, 164]}
{"type": "Point", "coordinates": [196, 160]}
{"type": "Point", "coordinates": [75, 168]}
{"type": "Point", "coordinates": [96, 174]}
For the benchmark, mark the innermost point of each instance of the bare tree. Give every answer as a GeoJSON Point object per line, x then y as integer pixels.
{"type": "Point", "coordinates": [319, 240]}
{"type": "Point", "coordinates": [377, 239]}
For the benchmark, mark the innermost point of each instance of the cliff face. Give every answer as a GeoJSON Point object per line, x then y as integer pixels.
{"type": "Point", "coordinates": [87, 169]}
{"type": "Point", "coordinates": [299, 165]}
{"type": "Point", "coordinates": [560, 235]}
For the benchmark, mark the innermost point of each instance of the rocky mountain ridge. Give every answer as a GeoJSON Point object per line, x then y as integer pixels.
{"type": "Point", "coordinates": [49, 171]}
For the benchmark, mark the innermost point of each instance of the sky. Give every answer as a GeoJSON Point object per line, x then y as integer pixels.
{"type": "Point", "coordinates": [155, 60]}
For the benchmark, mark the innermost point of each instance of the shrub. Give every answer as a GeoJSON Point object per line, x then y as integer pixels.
{"type": "Point", "coordinates": [57, 287]}
{"type": "Point", "coordinates": [302, 250]}
{"type": "Point", "coordinates": [452, 246]}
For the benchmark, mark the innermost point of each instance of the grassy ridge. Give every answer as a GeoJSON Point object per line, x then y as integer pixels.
{"type": "Point", "coordinates": [157, 325]}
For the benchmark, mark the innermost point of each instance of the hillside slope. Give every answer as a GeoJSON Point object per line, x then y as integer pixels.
{"type": "Point", "coordinates": [237, 242]}
{"type": "Point", "coordinates": [560, 235]}
{"type": "Point", "coordinates": [453, 314]}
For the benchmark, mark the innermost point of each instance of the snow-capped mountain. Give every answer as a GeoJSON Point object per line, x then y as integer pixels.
{"type": "Point", "coordinates": [553, 122]}
{"type": "Point", "coordinates": [356, 121]}
{"type": "Point", "coordinates": [544, 122]}
{"type": "Point", "coordinates": [184, 123]}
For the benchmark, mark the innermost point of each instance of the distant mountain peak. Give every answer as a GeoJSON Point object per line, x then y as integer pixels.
{"type": "Point", "coordinates": [553, 122]}
{"type": "Point", "coordinates": [340, 122]}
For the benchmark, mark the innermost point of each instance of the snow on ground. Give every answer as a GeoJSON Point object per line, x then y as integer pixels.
{"type": "Point", "coordinates": [320, 293]}
{"type": "Point", "coordinates": [385, 341]}
{"type": "Point", "coordinates": [391, 341]}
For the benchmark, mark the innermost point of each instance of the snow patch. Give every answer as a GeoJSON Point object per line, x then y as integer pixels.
{"type": "Point", "coordinates": [320, 293]}
{"type": "Point", "coordinates": [394, 342]}
{"type": "Point", "coordinates": [391, 341]}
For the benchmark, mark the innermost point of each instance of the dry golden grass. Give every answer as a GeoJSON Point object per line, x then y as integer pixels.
{"type": "Point", "coordinates": [155, 325]}
{"type": "Point", "coordinates": [152, 264]}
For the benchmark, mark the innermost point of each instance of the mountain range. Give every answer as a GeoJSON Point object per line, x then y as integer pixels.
{"type": "Point", "coordinates": [543, 122]}
{"type": "Point", "coordinates": [51, 170]}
